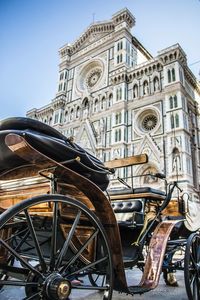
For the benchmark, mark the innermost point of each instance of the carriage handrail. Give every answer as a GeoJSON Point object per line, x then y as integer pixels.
{"type": "Point", "coordinates": [169, 191]}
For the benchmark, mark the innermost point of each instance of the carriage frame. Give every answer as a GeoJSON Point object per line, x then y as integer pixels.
{"type": "Point", "coordinates": [56, 197]}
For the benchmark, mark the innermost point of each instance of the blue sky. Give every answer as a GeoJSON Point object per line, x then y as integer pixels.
{"type": "Point", "coordinates": [32, 31]}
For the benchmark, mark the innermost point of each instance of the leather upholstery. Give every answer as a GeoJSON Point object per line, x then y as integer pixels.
{"type": "Point", "coordinates": [127, 206]}
{"type": "Point", "coordinates": [51, 143]}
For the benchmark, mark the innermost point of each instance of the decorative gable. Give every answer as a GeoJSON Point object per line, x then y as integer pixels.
{"type": "Point", "coordinates": [85, 137]}
{"type": "Point", "coordinates": [93, 33]}
{"type": "Point", "coordinates": [149, 146]}
{"type": "Point", "coordinates": [98, 30]}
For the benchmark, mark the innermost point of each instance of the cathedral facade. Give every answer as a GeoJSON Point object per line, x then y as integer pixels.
{"type": "Point", "coordinates": [116, 100]}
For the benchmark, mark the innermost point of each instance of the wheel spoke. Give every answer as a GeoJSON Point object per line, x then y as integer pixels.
{"type": "Point", "coordinates": [35, 240]}
{"type": "Point", "coordinates": [67, 241]}
{"type": "Point", "coordinates": [194, 287]}
{"type": "Point", "coordinates": [97, 279]}
{"type": "Point", "coordinates": [192, 279]}
{"type": "Point", "coordinates": [193, 261]}
{"type": "Point", "coordinates": [54, 236]}
{"type": "Point", "coordinates": [49, 249]}
{"type": "Point", "coordinates": [22, 241]}
{"type": "Point", "coordinates": [22, 261]}
{"type": "Point", "coordinates": [12, 270]}
{"type": "Point", "coordinates": [91, 265]}
{"type": "Point", "coordinates": [18, 283]}
{"type": "Point", "coordinates": [194, 251]}
{"type": "Point", "coordinates": [16, 235]}
{"type": "Point", "coordinates": [198, 286]}
{"type": "Point", "coordinates": [72, 260]}
{"type": "Point", "coordinates": [103, 281]}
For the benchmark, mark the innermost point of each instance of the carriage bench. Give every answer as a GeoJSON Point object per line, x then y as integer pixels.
{"type": "Point", "coordinates": [129, 204]}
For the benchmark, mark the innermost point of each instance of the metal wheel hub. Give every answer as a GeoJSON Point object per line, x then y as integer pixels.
{"type": "Point", "coordinates": [57, 287]}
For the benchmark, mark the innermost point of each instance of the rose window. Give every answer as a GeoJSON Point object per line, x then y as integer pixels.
{"type": "Point", "coordinates": [90, 75]}
{"type": "Point", "coordinates": [93, 77]}
{"type": "Point", "coordinates": [149, 122]}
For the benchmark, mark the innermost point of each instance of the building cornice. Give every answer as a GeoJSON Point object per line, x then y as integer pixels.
{"type": "Point", "coordinates": [140, 47]}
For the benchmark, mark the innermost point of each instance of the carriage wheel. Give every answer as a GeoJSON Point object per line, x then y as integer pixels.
{"type": "Point", "coordinates": [46, 265]}
{"type": "Point", "coordinates": [192, 267]}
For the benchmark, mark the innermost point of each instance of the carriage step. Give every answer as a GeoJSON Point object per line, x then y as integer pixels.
{"type": "Point", "coordinates": [136, 289]}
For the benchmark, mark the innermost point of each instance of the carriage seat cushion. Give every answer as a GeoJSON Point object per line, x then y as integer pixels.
{"type": "Point", "coordinates": [127, 206]}
{"type": "Point", "coordinates": [129, 213]}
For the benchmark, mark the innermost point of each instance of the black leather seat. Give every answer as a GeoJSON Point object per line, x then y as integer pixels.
{"type": "Point", "coordinates": [127, 206]}
{"type": "Point", "coordinates": [129, 212]}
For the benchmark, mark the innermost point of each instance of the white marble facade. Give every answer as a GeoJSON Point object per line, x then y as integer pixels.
{"type": "Point", "coordinates": [117, 100]}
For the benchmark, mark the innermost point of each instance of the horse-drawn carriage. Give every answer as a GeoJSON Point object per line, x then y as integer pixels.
{"type": "Point", "coordinates": [61, 232]}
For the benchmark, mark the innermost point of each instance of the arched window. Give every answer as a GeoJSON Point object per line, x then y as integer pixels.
{"type": "Point", "coordinates": [117, 135]}
{"type": "Point", "coordinates": [66, 116]}
{"type": "Point", "coordinates": [110, 99]}
{"type": "Point", "coordinates": [171, 102]}
{"type": "Point", "coordinates": [118, 118]}
{"type": "Point", "coordinates": [119, 45]}
{"type": "Point", "coordinates": [177, 120]}
{"type": "Point", "coordinates": [117, 59]}
{"type": "Point", "coordinates": [85, 106]}
{"type": "Point", "coordinates": [135, 91]}
{"type": "Point", "coordinates": [120, 133]}
{"type": "Point", "coordinates": [96, 105]}
{"type": "Point", "coordinates": [172, 121]}
{"type": "Point", "coordinates": [85, 103]}
{"type": "Point", "coordinates": [169, 76]}
{"type": "Point", "coordinates": [71, 114]}
{"type": "Point", "coordinates": [175, 101]}
{"type": "Point", "coordinates": [61, 76]}
{"type": "Point", "coordinates": [103, 103]}
{"type": "Point", "coordinates": [61, 117]}
{"type": "Point", "coordinates": [78, 112]}
{"type": "Point", "coordinates": [119, 94]}
{"type": "Point", "coordinates": [173, 75]}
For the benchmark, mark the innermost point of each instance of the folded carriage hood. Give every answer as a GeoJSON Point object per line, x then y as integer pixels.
{"type": "Point", "coordinates": [51, 143]}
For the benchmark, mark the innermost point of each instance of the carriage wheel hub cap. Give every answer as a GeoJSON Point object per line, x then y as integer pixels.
{"type": "Point", "coordinates": [63, 290]}
{"type": "Point", "coordinates": [57, 287]}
